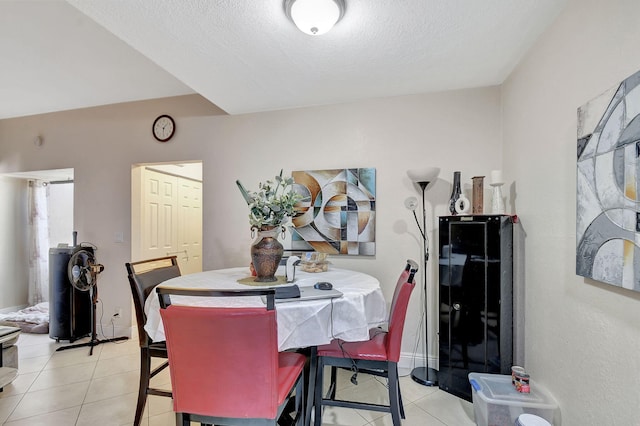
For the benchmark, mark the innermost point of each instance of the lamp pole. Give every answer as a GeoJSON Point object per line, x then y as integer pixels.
{"type": "Point", "coordinates": [425, 375]}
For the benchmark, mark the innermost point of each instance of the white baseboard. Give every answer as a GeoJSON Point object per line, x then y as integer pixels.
{"type": "Point", "coordinates": [409, 361]}
{"type": "Point", "coordinates": [108, 331]}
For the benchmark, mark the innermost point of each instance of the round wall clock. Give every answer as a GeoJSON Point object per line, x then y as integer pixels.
{"type": "Point", "coordinates": [164, 128]}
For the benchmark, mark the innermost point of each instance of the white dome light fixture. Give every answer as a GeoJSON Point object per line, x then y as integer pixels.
{"type": "Point", "coordinates": [314, 17]}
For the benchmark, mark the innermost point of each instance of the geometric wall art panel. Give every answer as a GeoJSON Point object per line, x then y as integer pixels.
{"type": "Point", "coordinates": [608, 171]}
{"type": "Point", "coordinates": [338, 214]}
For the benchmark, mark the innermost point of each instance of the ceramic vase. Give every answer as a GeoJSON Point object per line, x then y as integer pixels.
{"type": "Point", "coordinates": [497, 203]}
{"type": "Point", "coordinates": [455, 193]}
{"type": "Point", "coordinates": [266, 253]}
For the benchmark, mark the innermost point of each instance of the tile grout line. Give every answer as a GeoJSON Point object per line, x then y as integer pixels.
{"type": "Point", "coordinates": [93, 373]}
{"type": "Point", "coordinates": [24, 394]}
{"type": "Point", "coordinates": [42, 369]}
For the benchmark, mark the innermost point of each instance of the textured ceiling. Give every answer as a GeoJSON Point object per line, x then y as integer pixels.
{"type": "Point", "coordinates": [246, 56]}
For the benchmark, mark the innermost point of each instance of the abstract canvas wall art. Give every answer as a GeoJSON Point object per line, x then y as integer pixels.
{"type": "Point", "coordinates": [608, 172]}
{"type": "Point", "coordinates": [338, 215]}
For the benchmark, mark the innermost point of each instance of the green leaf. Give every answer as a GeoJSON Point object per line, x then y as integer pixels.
{"type": "Point", "coordinates": [244, 192]}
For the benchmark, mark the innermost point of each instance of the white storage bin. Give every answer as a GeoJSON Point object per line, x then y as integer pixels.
{"type": "Point", "coordinates": [496, 402]}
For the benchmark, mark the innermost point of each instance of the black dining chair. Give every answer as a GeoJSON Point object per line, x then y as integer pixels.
{"type": "Point", "coordinates": [144, 276]}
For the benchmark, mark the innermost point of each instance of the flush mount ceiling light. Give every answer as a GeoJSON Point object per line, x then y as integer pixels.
{"type": "Point", "coordinates": [314, 17]}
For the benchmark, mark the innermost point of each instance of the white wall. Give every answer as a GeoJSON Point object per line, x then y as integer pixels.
{"type": "Point", "coordinates": [582, 336]}
{"type": "Point", "coordinates": [454, 130]}
{"type": "Point", "coordinates": [14, 263]}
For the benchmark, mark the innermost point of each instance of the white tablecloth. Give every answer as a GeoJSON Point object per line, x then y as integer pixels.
{"type": "Point", "coordinates": [300, 323]}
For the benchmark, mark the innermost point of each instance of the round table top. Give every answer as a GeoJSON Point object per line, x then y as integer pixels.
{"type": "Point", "coordinates": [300, 323]}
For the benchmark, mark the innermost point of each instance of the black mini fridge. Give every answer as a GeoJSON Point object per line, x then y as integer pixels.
{"type": "Point", "coordinates": [69, 308]}
{"type": "Point", "coordinates": [475, 299]}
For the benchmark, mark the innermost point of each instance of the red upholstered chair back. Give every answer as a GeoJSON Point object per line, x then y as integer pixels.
{"type": "Point", "coordinates": [398, 314]}
{"type": "Point", "coordinates": [411, 266]}
{"type": "Point", "coordinates": [224, 361]}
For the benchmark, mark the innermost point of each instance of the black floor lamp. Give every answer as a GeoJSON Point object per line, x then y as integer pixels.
{"type": "Point", "coordinates": [423, 177]}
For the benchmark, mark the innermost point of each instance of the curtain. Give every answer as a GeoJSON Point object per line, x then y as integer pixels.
{"type": "Point", "coordinates": [38, 242]}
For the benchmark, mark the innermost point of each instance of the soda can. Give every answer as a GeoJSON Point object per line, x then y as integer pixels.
{"type": "Point", "coordinates": [522, 383]}
{"type": "Point", "coordinates": [515, 371]}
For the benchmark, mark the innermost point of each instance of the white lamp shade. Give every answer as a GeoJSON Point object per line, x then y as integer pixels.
{"type": "Point", "coordinates": [315, 17]}
{"type": "Point", "coordinates": [427, 174]}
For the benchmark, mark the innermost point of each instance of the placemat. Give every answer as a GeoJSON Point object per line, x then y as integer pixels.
{"type": "Point", "coordinates": [250, 281]}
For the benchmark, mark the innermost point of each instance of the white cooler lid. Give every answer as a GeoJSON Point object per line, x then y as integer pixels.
{"type": "Point", "coordinates": [531, 420]}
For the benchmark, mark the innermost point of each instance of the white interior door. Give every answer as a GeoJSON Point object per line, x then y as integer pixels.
{"type": "Point", "coordinates": [160, 214]}
{"type": "Point", "coordinates": [190, 225]}
{"type": "Point", "coordinates": [167, 217]}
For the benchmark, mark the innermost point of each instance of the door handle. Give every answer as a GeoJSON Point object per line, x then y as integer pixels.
{"type": "Point", "coordinates": [456, 306]}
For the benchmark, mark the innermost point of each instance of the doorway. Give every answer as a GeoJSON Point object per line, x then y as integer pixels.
{"type": "Point", "coordinates": [166, 213]}
{"type": "Point", "coordinates": [37, 216]}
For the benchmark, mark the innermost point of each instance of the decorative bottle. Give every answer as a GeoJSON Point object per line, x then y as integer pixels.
{"type": "Point", "coordinates": [455, 193]}
{"type": "Point", "coordinates": [497, 203]}
{"type": "Point", "coordinates": [478, 194]}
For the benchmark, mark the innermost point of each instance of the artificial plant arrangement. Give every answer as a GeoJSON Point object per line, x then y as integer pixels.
{"type": "Point", "coordinates": [272, 204]}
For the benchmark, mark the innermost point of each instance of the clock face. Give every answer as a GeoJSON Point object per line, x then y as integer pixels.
{"type": "Point", "coordinates": [163, 128]}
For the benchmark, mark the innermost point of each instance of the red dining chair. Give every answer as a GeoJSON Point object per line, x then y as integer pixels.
{"type": "Point", "coordinates": [144, 276]}
{"type": "Point", "coordinates": [379, 355]}
{"type": "Point", "coordinates": [404, 275]}
{"type": "Point", "coordinates": [225, 364]}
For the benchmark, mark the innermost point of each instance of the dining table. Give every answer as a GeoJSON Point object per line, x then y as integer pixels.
{"type": "Point", "coordinates": [302, 324]}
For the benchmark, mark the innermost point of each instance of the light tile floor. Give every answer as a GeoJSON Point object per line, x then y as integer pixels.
{"type": "Point", "coordinates": [72, 388]}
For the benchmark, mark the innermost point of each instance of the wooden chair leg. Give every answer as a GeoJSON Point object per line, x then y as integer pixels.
{"type": "Point", "coordinates": [318, 392]}
{"type": "Point", "coordinates": [402, 416]}
{"type": "Point", "coordinates": [285, 419]}
{"type": "Point", "coordinates": [145, 367]}
{"type": "Point", "coordinates": [309, 390]}
{"type": "Point", "coordinates": [334, 383]}
{"type": "Point", "coordinates": [400, 396]}
{"type": "Point", "coordinates": [301, 401]}
{"type": "Point", "coordinates": [182, 419]}
{"type": "Point", "coordinates": [394, 400]}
